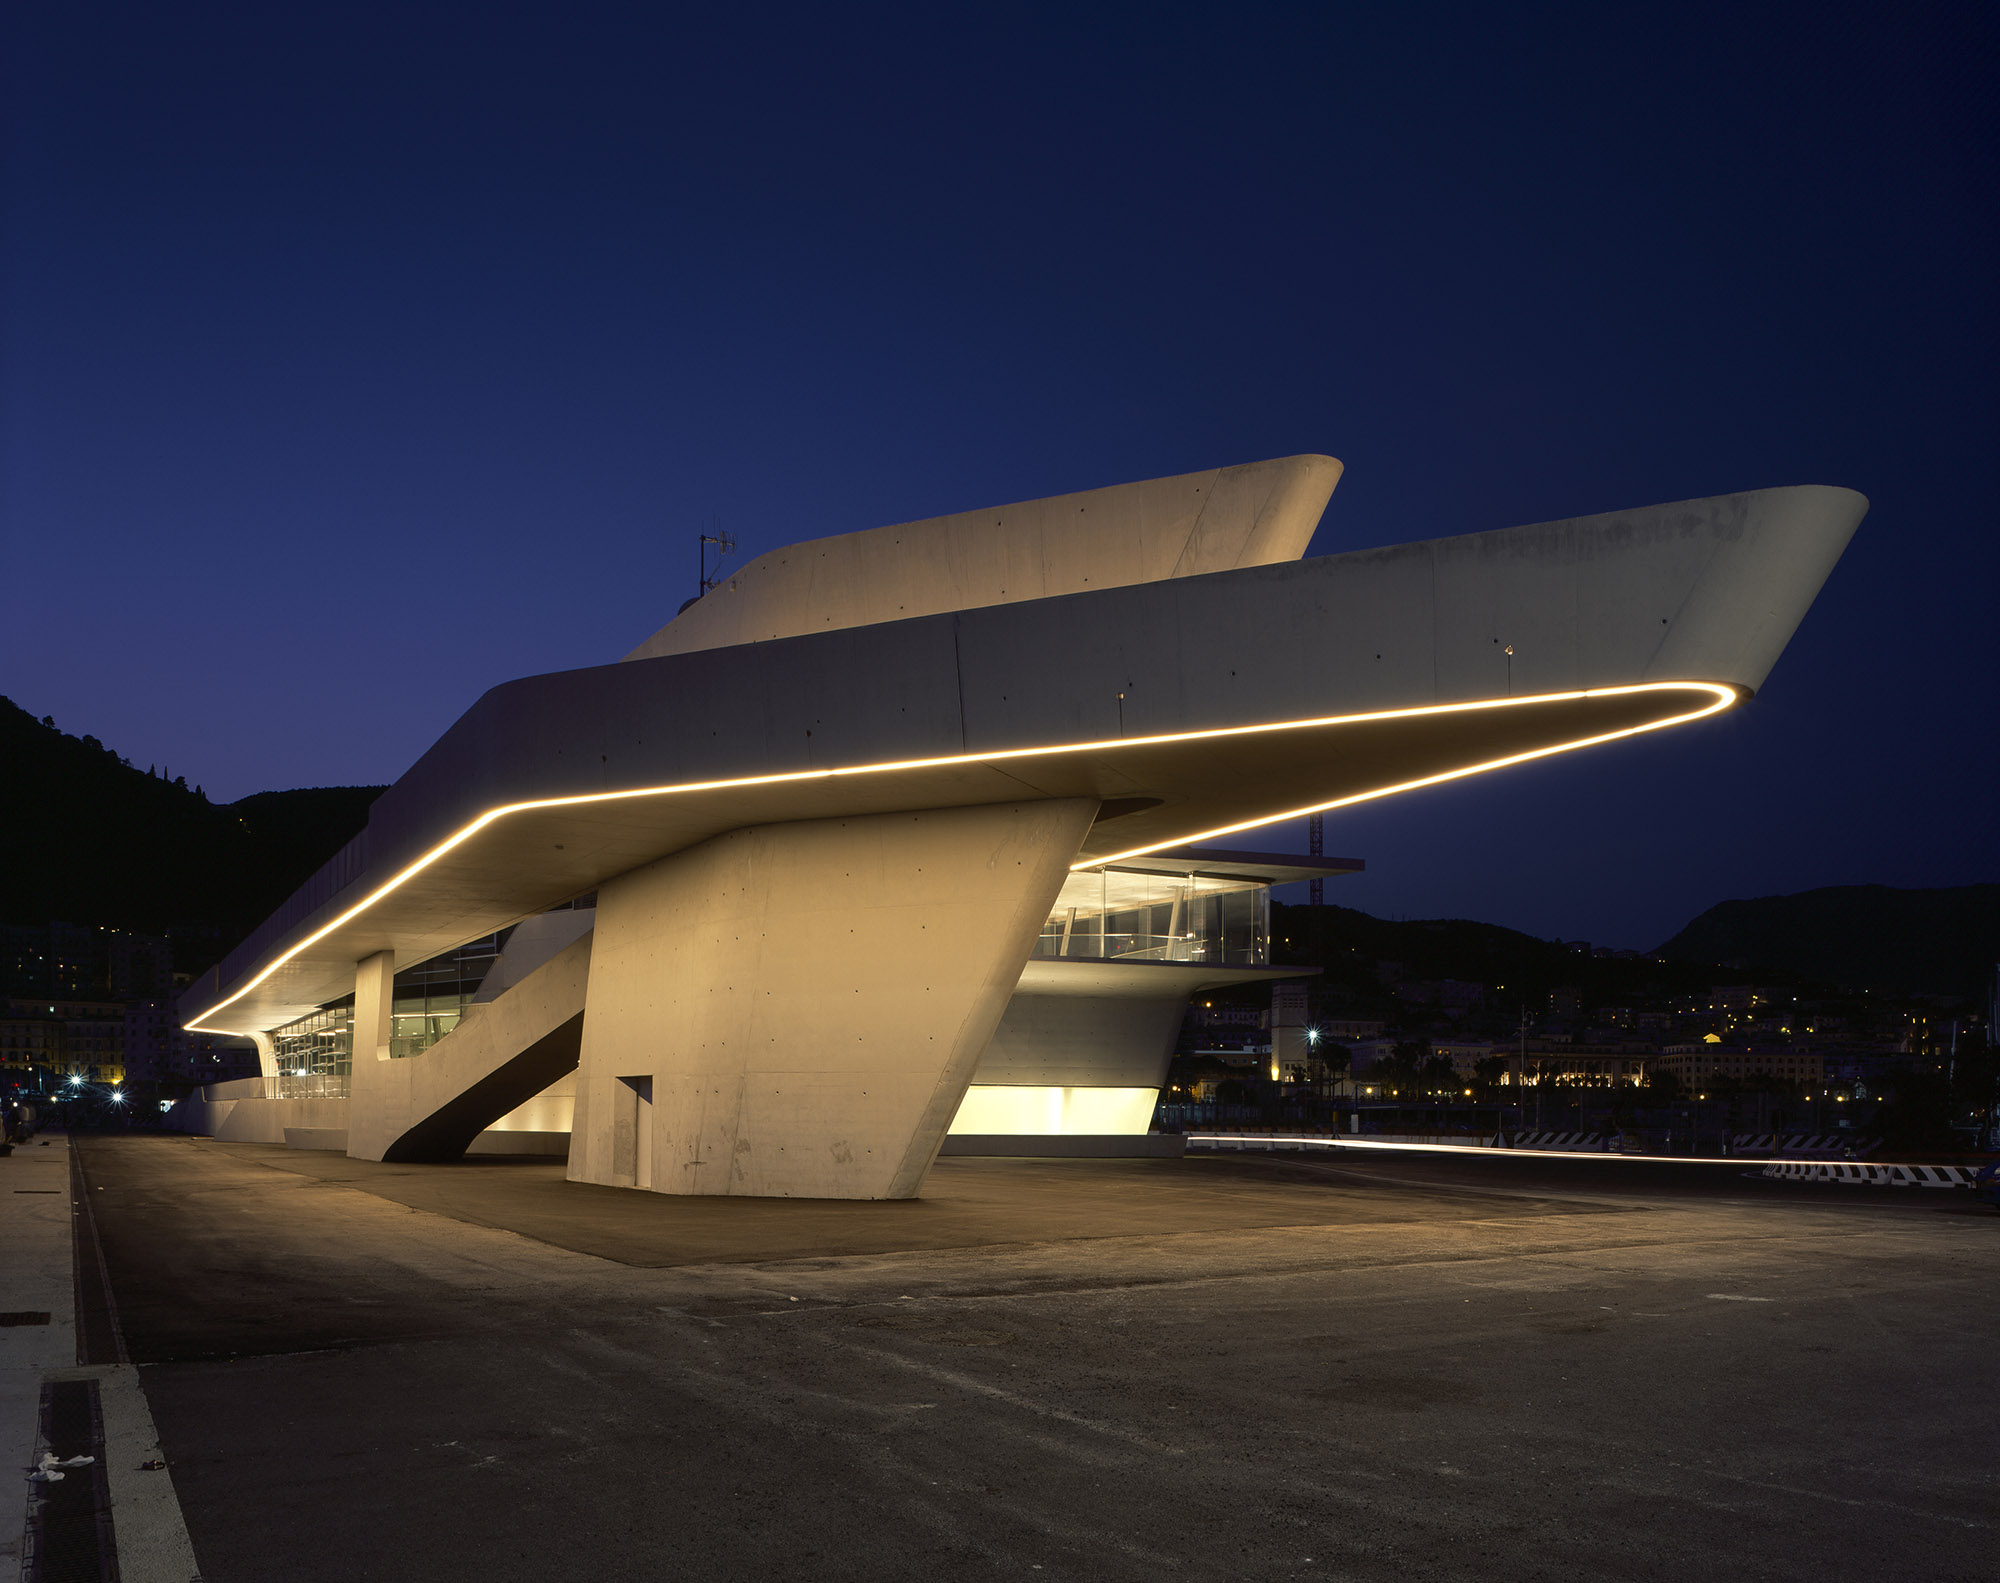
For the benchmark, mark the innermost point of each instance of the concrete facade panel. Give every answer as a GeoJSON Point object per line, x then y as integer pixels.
{"type": "Point", "coordinates": [1067, 1041]}
{"type": "Point", "coordinates": [1035, 549]}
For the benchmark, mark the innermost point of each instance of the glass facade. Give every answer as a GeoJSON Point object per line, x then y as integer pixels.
{"type": "Point", "coordinates": [1130, 915]}
{"type": "Point", "coordinates": [432, 996]}
{"type": "Point", "coordinates": [314, 1053]}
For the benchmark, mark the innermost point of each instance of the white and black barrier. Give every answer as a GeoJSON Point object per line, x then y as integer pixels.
{"type": "Point", "coordinates": [1857, 1175]}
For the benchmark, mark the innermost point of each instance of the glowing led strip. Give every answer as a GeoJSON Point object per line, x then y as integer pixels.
{"type": "Point", "coordinates": [1278, 1141]}
{"type": "Point", "coordinates": [1724, 697]}
{"type": "Point", "coordinates": [1721, 698]}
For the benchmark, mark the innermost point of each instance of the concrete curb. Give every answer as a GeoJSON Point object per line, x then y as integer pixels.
{"type": "Point", "coordinates": [43, 1233]}
{"type": "Point", "coordinates": [146, 1522]}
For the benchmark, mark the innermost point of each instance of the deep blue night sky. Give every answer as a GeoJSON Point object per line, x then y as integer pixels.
{"type": "Point", "coordinates": [359, 358]}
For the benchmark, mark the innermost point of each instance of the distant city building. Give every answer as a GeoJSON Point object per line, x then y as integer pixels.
{"type": "Point", "coordinates": [65, 961]}
{"type": "Point", "coordinates": [1555, 1061]}
{"type": "Point", "coordinates": [83, 1003]}
{"type": "Point", "coordinates": [158, 1050]}
{"type": "Point", "coordinates": [1450, 995]}
{"type": "Point", "coordinates": [1291, 1048]}
{"type": "Point", "coordinates": [30, 1044]}
{"type": "Point", "coordinates": [1697, 1063]}
{"type": "Point", "coordinates": [83, 1039]}
{"type": "Point", "coordinates": [1742, 997]}
{"type": "Point", "coordinates": [1350, 1028]}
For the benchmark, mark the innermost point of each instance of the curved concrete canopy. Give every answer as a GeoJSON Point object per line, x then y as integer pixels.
{"type": "Point", "coordinates": [1226, 700]}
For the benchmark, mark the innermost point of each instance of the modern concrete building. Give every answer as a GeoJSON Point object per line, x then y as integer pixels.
{"type": "Point", "coordinates": [929, 829]}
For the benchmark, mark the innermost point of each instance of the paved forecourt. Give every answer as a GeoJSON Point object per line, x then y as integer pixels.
{"type": "Point", "coordinates": [1110, 1369]}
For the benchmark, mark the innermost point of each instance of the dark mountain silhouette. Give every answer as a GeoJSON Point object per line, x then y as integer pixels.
{"type": "Point", "coordinates": [1938, 942]}
{"type": "Point", "coordinates": [1363, 958]}
{"type": "Point", "coordinates": [87, 838]}
{"type": "Point", "coordinates": [1429, 948]}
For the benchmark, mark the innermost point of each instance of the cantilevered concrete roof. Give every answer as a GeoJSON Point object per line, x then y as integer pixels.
{"type": "Point", "coordinates": [1192, 707]}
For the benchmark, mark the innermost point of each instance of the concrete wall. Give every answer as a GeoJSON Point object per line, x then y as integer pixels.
{"type": "Point", "coordinates": [265, 1120]}
{"type": "Point", "coordinates": [552, 1110]}
{"type": "Point", "coordinates": [795, 1010]}
{"type": "Point", "coordinates": [1084, 1110]}
{"type": "Point", "coordinates": [1084, 1046]}
{"type": "Point", "coordinates": [1066, 1040]}
{"type": "Point", "coordinates": [322, 1123]}
{"type": "Point", "coordinates": [530, 943]}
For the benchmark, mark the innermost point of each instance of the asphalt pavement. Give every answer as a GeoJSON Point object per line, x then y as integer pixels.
{"type": "Point", "coordinates": [1214, 1367]}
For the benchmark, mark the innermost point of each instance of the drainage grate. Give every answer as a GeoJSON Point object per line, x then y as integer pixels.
{"type": "Point", "coordinates": [25, 1316]}
{"type": "Point", "coordinates": [69, 1521]}
{"type": "Point", "coordinates": [97, 1338]}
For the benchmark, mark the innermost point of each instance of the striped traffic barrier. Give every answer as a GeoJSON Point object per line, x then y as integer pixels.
{"type": "Point", "coordinates": [1857, 1174]}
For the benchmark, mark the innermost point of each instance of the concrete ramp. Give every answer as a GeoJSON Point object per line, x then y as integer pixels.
{"type": "Point", "coordinates": [503, 1053]}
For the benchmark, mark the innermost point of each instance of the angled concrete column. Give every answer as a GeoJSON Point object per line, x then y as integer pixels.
{"type": "Point", "coordinates": [796, 1009]}
{"type": "Point", "coordinates": [374, 1002]}
{"type": "Point", "coordinates": [267, 1054]}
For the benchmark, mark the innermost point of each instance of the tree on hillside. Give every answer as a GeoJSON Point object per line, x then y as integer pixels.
{"type": "Point", "coordinates": [1917, 1115]}
{"type": "Point", "coordinates": [1406, 1060]}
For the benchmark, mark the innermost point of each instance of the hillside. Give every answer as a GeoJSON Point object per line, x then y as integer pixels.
{"type": "Point", "coordinates": [1363, 958]}
{"type": "Point", "coordinates": [1940, 942]}
{"type": "Point", "coordinates": [87, 838]}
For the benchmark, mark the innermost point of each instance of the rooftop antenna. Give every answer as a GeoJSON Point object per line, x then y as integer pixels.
{"type": "Point", "coordinates": [1316, 847]}
{"type": "Point", "coordinates": [725, 546]}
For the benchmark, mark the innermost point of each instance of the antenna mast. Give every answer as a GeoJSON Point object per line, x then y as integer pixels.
{"type": "Point", "coordinates": [1316, 847]}
{"type": "Point", "coordinates": [725, 546]}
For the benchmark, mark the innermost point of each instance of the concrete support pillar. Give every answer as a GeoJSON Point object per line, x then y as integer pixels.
{"type": "Point", "coordinates": [374, 1001]}
{"type": "Point", "coordinates": [267, 1054]}
{"type": "Point", "coordinates": [795, 1009]}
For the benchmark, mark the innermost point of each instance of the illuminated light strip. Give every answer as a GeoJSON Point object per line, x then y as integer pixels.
{"type": "Point", "coordinates": [1279, 1141]}
{"type": "Point", "coordinates": [1723, 697]}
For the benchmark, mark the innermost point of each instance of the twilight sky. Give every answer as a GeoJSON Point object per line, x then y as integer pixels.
{"type": "Point", "coordinates": [357, 358]}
